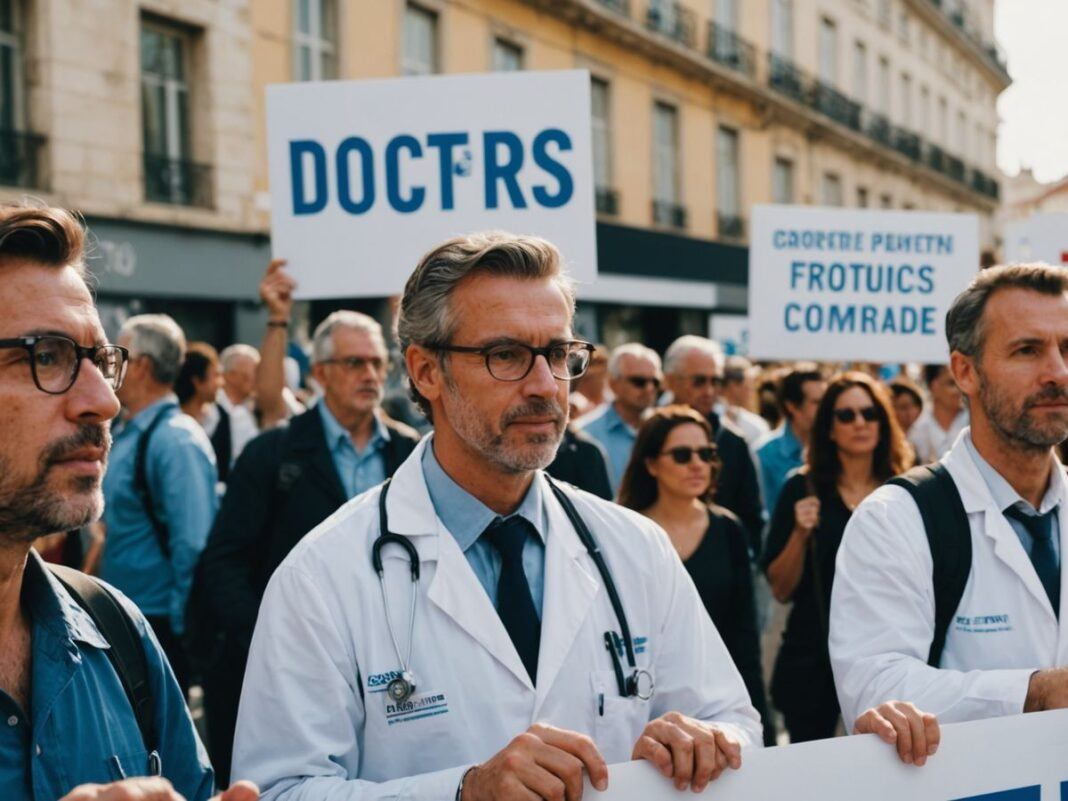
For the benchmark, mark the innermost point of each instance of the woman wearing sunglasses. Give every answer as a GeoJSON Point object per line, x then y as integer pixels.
{"type": "Point", "coordinates": [855, 445]}
{"type": "Point", "coordinates": [671, 478]}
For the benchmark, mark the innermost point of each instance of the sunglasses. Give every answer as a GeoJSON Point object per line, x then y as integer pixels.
{"type": "Point", "coordinates": [684, 453]}
{"type": "Point", "coordinates": [698, 381]}
{"type": "Point", "coordinates": [869, 414]}
{"type": "Point", "coordinates": [641, 382]}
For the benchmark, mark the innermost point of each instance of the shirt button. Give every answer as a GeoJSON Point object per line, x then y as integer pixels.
{"type": "Point", "coordinates": [12, 721]}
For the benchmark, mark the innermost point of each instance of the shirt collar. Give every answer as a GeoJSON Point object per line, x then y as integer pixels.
{"type": "Point", "coordinates": [141, 420]}
{"type": "Point", "coordinates": [337, 436]}
{"type": "Point", "coordinates": [790, 440]}
{"type": "Point", "coordinates": [615, 421]}
{"type": "Point", "coordinates": [51, 607]}
{"type": "Point", "coordinates": [1001, 490]}
{"type": "Point", "coordinates": [464, 515]}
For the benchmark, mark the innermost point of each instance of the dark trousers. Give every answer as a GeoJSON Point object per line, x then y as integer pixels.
{"type": "Point", "coordinates": [174, 649]}
{"type": "Point", "coordinates": [812, 726]}
{"type": "Point", "coordinates": [222, 691]}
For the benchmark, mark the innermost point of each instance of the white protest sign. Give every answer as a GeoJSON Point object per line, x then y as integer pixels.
{"type": "Point", "coordinates": [854, 284]}
{"type": "Point", "coordinates": [1019, 758]}
{"type": "Point", "coordinates": [1041, 237]}
{"type": "Point", "coordinates": [366, 176]}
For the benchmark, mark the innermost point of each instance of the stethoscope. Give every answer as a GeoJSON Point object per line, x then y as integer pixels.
{"type": "Point", "coordinates": [636, 683]}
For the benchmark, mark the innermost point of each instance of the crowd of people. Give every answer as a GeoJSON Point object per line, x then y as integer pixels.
{"type": "Point", "coordinates": [241, 515]}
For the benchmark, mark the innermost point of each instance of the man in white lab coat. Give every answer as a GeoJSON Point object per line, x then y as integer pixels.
{"type": "Point", "coordinates": [1006, 646]}
{"type": "Point", "coordinates": [488, 676]}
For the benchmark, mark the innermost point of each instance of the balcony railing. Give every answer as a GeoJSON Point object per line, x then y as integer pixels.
{"type": "Point", "coordinates": [785, 78]}
{"type": "Point", "coordinates": [673, 21]}
{"type": "Point", "coordinates": [955, 169]}
{"type": "Point", "coordinates": [878, 128]}
{"type": "Point", "coordinates": [621, 7]}
{"type": "Point", "coordinates": [176, 181]}
{"type": "Point", "coordinates": [19, 158]}
{"type": "Point", "coordinates": [606, 200]}
{"type": "Point", "coordinates": [730, 226]}
{"type": "Point", "coordinates": [829, 101]}
{"type": "Point", "coordinates": [665, 212]}
{"type": "Point", "coordinates": [935, 158]}
{"type": "Point", "coordinates": [907, 143]}
{"type": "Point", "coordinates": [729, 49]}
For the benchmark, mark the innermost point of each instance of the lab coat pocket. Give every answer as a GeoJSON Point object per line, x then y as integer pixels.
{"type": "Point", "coordinates": [127, 765]}
{"type": "Point", "coordinates": [617, 721]}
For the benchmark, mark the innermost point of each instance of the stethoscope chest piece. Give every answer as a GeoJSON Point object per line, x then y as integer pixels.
{"type": "Point", "coordinates": [401, 688]}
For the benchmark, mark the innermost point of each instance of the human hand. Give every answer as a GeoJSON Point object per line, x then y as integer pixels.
{"type": "Point", "coordinates": [807, 514]}
{"type": "Point", "coordinates": [276, 290]}
{"type": "Point", "coordinates": [543, 762]}
{"type": "Point", "coordinates": [899, 723]}
{"type": "Point", "coordinates": [239, 791]}
{"type": "Point", "coordinates": [145, 788]}
{"type": "Point", "coordinates": [691, 752]}
{"type": "Point", "coordinates": [1048, 689]}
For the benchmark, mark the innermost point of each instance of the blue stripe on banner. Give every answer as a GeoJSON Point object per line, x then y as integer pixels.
{"type": "Point", "coordinates": [443, 711]}
{"type": "Point", "coordinates": [1019, 794]}
{"type": "Point", "coordinates": [1064, 791]}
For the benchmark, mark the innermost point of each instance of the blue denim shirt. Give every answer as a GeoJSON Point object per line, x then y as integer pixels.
{"type": "Point", "coordinates": [81, 728]}
{"type": "Point", "coordinates": [466, 517]}
{"type": "Point", "coordinates": [778, 454]}
{"type": "Point", "coordinates": [607, 427]}
{"type": "Point", "coordinates": [358, 470]}
{"type": "Point", "coordinates": [180, 469]}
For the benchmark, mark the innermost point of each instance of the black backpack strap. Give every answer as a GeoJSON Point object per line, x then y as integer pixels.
{"type": "Point", "coordinates": [141, 483]}
{"type": "Point", "coordinates": [127, 652]}
{"type": "Point", "coordinates": [950, 539]}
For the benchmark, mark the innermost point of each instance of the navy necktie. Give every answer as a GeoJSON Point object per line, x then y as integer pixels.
{"type": "Point", "coordinates": [514, 602]}
{"type": "Point", "coordinates": [1043, 557]}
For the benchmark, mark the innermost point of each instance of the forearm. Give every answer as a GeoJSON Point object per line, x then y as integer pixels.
{"type": "Point", "coordinates": [270, 376]}
{"type": "Point", "coordinates": [784, 572]}
{"type": "Point", "coordinates": [438, 785]}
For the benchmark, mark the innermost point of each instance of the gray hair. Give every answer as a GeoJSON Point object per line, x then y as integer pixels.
{"type": "Point", "coordinates": [964, 320]}
{"type": "Point", "coordinates": [425, 316]}
{"type": "Point", "coordinates": [737, 369]}
{"type": "Point", "coordinates": [685, 345]}
{"type": "Point", "coordinates": [323, 338]}
{"type": "Point", "coordinates": [635, 349]}
{"type": "Point", "coordinates": [232, 353]}
{"type": "Point", "coordinates": [160, 338]}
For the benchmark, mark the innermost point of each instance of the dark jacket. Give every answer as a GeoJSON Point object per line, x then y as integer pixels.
{"type": "Point", "coordinates": [580, 461]}
{"type": "Point", "coordinates": [738, 489]}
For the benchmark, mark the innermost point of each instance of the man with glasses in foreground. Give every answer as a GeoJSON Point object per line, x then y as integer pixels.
{"type": "Point", "coordinates": [66, 724]}
{"type": "Point", "coordinates": [634, 378]}
{"type": "Point", "coordinates": [464, 655]}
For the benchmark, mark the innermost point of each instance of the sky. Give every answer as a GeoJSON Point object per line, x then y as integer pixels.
{"type": "Point", "coordinates": [1034, 110]}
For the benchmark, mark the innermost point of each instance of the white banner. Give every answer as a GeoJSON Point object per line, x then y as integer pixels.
{"type": "Point", "coordinates": [1041, 237]}
{"type": "Point", "coordinates": [366, 176]}
{"type": "Point", "coordinates": [1019, 758]}
{"type": "Point", "coordinates": [853, 284]}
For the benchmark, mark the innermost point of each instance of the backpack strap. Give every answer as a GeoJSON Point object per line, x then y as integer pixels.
{"type": "Point", "coordinates": [127, 652]}
{"type": "Point", "coordinates": [950, 538]}
{"type": "Point", "coordinates": [141, 487]}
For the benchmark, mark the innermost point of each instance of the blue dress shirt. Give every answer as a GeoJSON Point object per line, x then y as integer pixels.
{"type": "Point", "coordinates": [466, 518]}
{"type": "Point", "coordinates": [608, 428]}
{"type": "Point", "coordinates": [778, 454]}
{"type": "Point", "coordinates": [81, 729]}
{"type": "Point", "coordinates": [358, 470]}
{"type": "Point", "coordinates": [1005, 496]}
{"type": "Point", "coordinates": [180, 469]}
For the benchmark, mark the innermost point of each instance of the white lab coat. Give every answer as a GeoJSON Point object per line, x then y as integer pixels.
{"type": "Point", "coordinates": [882, 608]}
{"type": "Point", "coordinates": [313, 718]}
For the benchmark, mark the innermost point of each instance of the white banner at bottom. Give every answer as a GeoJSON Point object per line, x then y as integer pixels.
{"type": "Point", "coordinates": [1018, 758]}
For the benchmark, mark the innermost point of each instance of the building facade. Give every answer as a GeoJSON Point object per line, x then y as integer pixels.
{"type": "Point", "coordinates": [150, 118]}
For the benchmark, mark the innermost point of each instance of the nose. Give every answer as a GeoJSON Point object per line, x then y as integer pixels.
{"type": "Point", "coordinates": [1056, 368]}
{"type": "Point", "coordinates": [91, 398]}
{"type": "Point", "coordinates": [540, 381]}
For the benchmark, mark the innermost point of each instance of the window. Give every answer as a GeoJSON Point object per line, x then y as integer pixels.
{"type": "Point", "coordinates": [962, 135]}
{"type": "Point", "coordinates": [10, 67]}
{"type": "Point", "coordinates": [832, 189]}
{"type": "Point", "coordinates": [862, 197]}
{"type": "Point", "coordinates": [782, 28]}
{"type": "Point", "coordinates": [886, 202]}
{"type": "Point", "coordinates": [860, 72]}
{"type": "Point", "coordinates": [727, 14]}
{"type": "Point", "coordinates": [980, 144]}
{"type": "Point", "coordinates": [602, 140]}
{"type": "Point", "coordinates": [314, 40]}
{"type": "Point", "coordinates": [728, 200]}
{"type": "Point", "coordinates": [906, 100]}
{"type": "Point", "coordinates": [420, 41]}
{"type": "Point", "coordinates": [507, 56]}
{"type": "Point", "coordinates": [665, 153]}
{"type": "Point", "coordinates": [943, 122]}
{"type": "Point", "coordinates": [882, 90]}
{"type": "Point", "coordinates": [903, 30]}
{"type": "Point", "coordinates": [884, 12]}
{"type": "Point", "coordinates": [828, 51]}
{"type": "Point", "coordinates": [925, 109]}
{"type": "Point", "coordinates": [782, 181]}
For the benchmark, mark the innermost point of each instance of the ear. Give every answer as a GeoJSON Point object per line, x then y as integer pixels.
{"type": "Point", "coordinates": [651, 466]}
{"type": "Point", "coordinates": [319, 373]}
{"type": "Point", "coordinates": [964, 373]}
{"type": "Point", "coordinates": [425, 371]}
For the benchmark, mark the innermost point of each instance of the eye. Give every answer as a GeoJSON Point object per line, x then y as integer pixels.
{"type": "Point", "coordinates": [505, 354]}
{"type": "Point", "coordinates": [558, 354]}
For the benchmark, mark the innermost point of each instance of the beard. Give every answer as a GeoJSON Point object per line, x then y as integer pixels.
{"type": "Point", "coordinates": [32, 509]}
{"type": "Point", "coordinates": [536, 450]}
{"type": "Point", "coordinates": [1018, 424]}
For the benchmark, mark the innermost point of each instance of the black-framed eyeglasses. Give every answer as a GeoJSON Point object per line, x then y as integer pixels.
{"type": "Point", "coordinates": [641, 381]}
{"type": "Point", "coordinates": [513, 361]}
{"type": "Point", "coordinates": [55, 361]}
{"type": "Point", "coordinates": [847, 416]}
{"type": "Point", "coordinates": [683, 454]}
{"type": "Point", "coordinates": [698, 381]}
{"type": "Point", "coordinates": [357, 364]}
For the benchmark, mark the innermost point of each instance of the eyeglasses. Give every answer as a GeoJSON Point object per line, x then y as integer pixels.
{"type": "Point", "coordinates": [847, 416]}
{"type": "Point", "coordinates": [641, 382]}
{"type": "Point", "coordinates": [357, 364]}
{"type": "Point", "coordinates": [698, 381]}
{"type": "Point", "coordinates": [55, 361]}
{"type": "Point", "coordinates": [513, 361]}
{"type": "Point", "coordinates": [684, 453]}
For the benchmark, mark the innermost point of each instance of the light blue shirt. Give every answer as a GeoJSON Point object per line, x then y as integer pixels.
{"type": "Point", "coordinates": [358, 470]}
{"type": "Point", "coordinates": [1005, 496]}
{"type": "Point", "coordinates": [81, 728]}
{"type": "Point", "coordinates": [466, 517]}
{"type": "Point", "coordinates": [608, 428]}
{"type": "Point", "coordinates": [181, 475]}
{"type": "Point", "coordinates": [778, 454]}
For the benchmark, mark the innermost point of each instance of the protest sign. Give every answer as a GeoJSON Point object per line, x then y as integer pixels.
{"type": "Point", "coordinates": [1040, 237]}
{"type": "Point", "coordinates": [1018, 758]}
{"type": "Point", "coordinates": [851, 284]}
{"type": "Point", "coordinates": [366, 176]}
